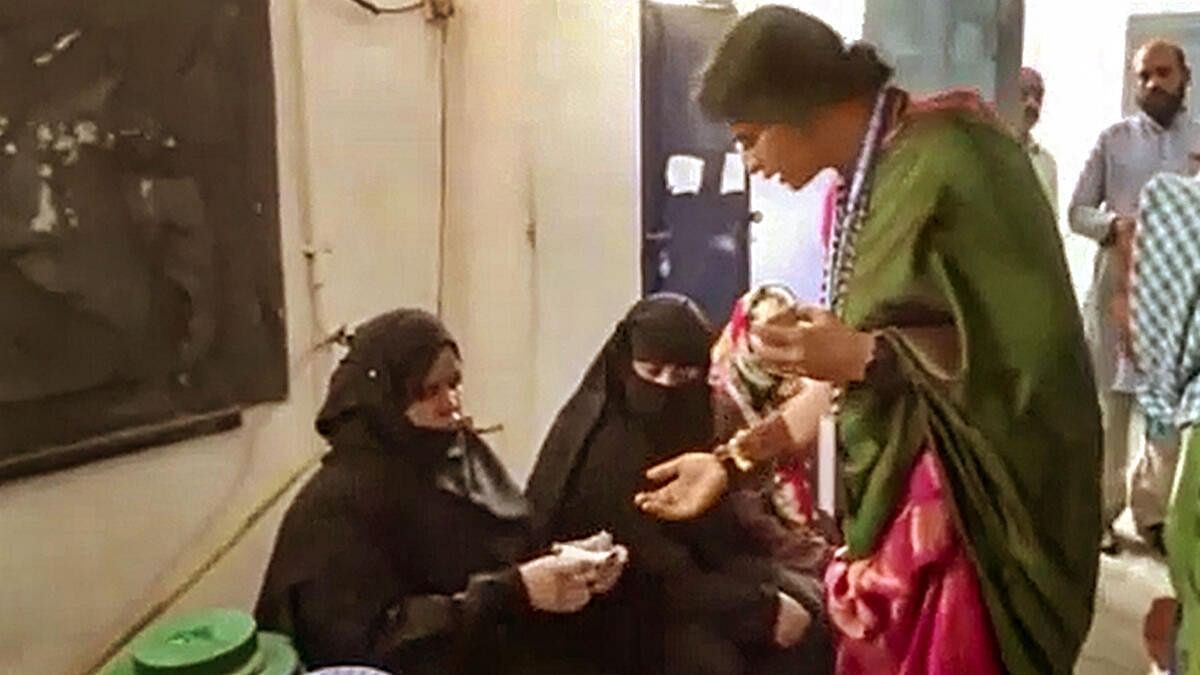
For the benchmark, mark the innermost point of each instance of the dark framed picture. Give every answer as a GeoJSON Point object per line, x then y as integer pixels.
{"type": "Point", "coordinates": [141, 291]}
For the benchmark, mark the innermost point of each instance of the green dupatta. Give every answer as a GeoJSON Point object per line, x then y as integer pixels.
{"type": "Point", "coordinates": [959, 231]}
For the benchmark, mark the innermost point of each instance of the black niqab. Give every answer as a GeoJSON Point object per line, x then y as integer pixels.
{"type": "Point", "coordinates": [658, 420]}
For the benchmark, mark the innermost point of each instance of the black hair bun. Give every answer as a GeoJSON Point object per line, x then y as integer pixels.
{"type": "Point", "coordinates": [865, 66]}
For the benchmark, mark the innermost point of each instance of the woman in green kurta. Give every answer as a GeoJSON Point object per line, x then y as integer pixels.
{"type": "Point", "coordinates": [967, 413]}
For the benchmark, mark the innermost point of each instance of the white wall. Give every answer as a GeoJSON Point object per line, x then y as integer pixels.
{"type": "Point", "coordinates": [368, 131]}
{"type": "Point", "coordinates": [542, 128]}
{"type": "Point", "coordinates": [488, 299]}
{"type": "Point", "coordinates": [587, 181]}
{"type": "Point", "coordinates": [543, 253]}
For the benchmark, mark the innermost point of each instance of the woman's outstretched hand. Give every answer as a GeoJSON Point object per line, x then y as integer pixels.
{"type": "Point", "coordinates": [690, 485]}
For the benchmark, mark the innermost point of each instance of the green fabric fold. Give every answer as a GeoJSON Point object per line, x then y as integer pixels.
{"type": "Point", "coordinates": [959, 234]}
{"type": "Point", "coordinates": [1183, 551]}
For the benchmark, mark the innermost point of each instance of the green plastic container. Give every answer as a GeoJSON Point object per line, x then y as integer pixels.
{"type": "Point", "coordinates": [207, 642]}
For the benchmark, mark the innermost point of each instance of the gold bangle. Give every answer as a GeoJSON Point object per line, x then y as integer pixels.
{"type": "Point", "coordinates": [732, 452]}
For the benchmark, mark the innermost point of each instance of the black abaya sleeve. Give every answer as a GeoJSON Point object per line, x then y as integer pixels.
{"type": "Point", "coordinates": [345, 602]}
{"type": "Point", "coordinates": [350, 622]}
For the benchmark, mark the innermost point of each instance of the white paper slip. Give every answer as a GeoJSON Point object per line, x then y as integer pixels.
{"type": "Point", "coordinates": [685, 175]}
{"type": "Point", "coordinates": [582, 554]}
{"type": "Point", "coordinates": [733, 175]}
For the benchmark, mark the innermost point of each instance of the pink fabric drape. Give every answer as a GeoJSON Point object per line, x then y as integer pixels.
{"type": "Point", "coordinates": [914, 607]}
{"type": "Point", "coordinates": [829, 211]}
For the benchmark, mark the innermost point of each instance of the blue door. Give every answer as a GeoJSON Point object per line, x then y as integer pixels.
{"type": "Point", "coordinates": [695, 208]}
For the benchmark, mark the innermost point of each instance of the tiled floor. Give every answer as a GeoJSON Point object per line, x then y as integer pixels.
{"type": "Point", "coordinates": [1128, 583]}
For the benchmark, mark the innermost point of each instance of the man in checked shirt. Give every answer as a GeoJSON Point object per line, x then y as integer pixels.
{"type": "Point", "coordinates": [1160, 137]}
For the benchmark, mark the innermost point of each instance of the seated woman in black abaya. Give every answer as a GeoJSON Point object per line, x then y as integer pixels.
{"type": "Point", "coordinates": [698, 598]}
{"type": "Point", "coordinates": [404, 551]}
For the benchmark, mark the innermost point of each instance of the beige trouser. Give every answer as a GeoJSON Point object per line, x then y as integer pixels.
{"type": "Point", "coordinates": [1137, 471]}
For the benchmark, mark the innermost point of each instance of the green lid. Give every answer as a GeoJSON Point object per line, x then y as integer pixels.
{"type": "Point", "coordinates": [208, 642]}
{"type": "Point", "coordinates": [279, 655]}
{"type": "Point", "coordinates": [202, 643]}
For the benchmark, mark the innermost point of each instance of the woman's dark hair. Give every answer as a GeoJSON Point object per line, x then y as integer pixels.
{"type": "Point", "coordinates": [779, 64]}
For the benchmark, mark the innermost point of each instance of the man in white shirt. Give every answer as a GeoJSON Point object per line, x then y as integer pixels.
{"type": "Point", "coordinates": [1160, 137]}
{"type": "Point", "coordinates": [1033, 91]}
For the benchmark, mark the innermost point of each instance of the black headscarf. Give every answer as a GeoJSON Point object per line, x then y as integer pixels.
{"type": "Point", "coordinates": [665, 328]}
{"type": "Point", "coordinates": [394, 514]}
{"type": "Point", "coordinates": [378, 380]}
{"type": "Point", "coordinates": [380, 376]}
